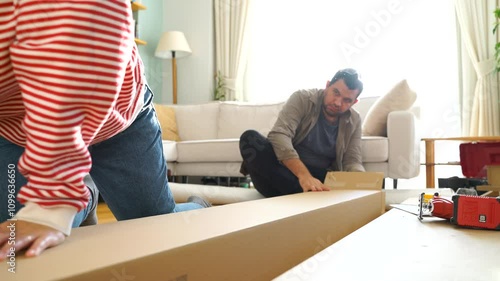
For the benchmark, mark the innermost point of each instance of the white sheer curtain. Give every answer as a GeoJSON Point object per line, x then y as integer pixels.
{"type": "Point", "coordinates": [479, 87]}
{"type": "Point", "coordinates": [301, 44]}
{"type": "Point", "coordinates": [231, 23]}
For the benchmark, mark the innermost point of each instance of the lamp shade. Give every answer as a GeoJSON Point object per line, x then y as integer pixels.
{"type": "Point", "coordinates": [172, 41]}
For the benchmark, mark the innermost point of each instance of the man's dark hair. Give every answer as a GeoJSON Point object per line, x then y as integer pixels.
{"type": "Point", "coordinates": [351, 79]}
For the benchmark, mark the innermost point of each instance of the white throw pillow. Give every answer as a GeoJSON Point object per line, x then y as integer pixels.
{"type": "Point", "coordinates": [400, 97]}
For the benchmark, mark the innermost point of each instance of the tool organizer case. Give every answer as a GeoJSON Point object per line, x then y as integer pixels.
{"type": "Point", "coordinates": [474, 157]}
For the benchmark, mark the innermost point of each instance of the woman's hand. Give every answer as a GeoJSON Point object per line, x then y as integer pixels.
{"type": "Point", "coordinates": [19, 235]}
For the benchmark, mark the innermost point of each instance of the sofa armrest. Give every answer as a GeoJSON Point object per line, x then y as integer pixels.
{"type": "Point", "coordinates": [404, 145]}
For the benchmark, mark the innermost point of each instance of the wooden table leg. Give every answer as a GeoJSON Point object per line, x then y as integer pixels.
{"type": "Point", "coordinates": [429, 163]}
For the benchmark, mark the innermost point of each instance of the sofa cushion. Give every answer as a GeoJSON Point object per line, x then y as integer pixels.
{"type": "Point", "coordinates": [168, 122]}
{"type": "Point", "coordinates": [363, 105]}
{"type": "Point", "coordinates": [170, 150]}
{"type": "Point", "coordinates": [210, 169]}
{"type": "Point", "coordinates": [197, 122]}
{"type": "Point", "coordinates": [400, 97]}
{"type": "Point", "coordinates": [215, 150]}
{"type": "Point", "coordinates": [235, 118]}
{"type": "Point", "coordinates": [374, 149]}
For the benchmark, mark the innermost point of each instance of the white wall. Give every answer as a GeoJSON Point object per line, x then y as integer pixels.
{"type": "Point", "coordinates": [195, 73]}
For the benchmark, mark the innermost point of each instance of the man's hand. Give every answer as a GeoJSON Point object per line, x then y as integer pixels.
{"type": "Point", "coordinates": [310, 183]}
{"type": "Point", "coordinates": [27, 235]}
{"type": "Point", "coordinates": [306, 180]}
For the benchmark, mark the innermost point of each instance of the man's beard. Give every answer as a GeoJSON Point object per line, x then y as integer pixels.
{"type": "Point", "coordinates": [332, 111]}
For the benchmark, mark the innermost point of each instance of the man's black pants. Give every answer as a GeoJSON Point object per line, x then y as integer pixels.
{"type": "Point", "coordinates": [269, 176]}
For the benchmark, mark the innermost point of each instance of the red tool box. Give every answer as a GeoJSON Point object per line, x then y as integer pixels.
{"type": "Point", "coordinates": [476, 211]}
{"type": "Point", "coordinates": [474, 157]}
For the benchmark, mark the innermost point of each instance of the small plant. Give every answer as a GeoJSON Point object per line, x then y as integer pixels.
{"type": "Point", "coordinates": [219, 87]}
{"type": "Point", "coordinates": [497, 45]}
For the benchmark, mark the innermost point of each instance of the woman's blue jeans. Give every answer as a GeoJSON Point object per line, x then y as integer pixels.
{"type": "Point", "coordinates": [129, 170]}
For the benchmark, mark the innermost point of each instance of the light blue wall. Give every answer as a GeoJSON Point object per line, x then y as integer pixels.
{"type": "Point", "coordinates": [195, 73]}
{"type": "Point", "coordinates": [150, 23]}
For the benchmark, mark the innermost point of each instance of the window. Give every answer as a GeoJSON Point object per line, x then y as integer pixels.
{"type": "Point", "coordinates": [298, 44]}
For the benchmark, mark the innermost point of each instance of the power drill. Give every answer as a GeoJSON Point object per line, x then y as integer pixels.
{"type": "Point", "coordinates": [463, 210]}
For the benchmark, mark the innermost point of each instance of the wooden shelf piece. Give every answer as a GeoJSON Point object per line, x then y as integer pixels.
{"type": "Point", "coordinates": [140, 42]}
{"type": "Point", "coordinates": [137, 6]}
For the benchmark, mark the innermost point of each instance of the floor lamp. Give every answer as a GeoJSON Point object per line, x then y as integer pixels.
{"type": "Point", "coordinates": [173, 45]}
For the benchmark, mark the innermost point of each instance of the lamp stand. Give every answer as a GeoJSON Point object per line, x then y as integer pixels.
{"type": "Point", "coordinates": [174, 78]}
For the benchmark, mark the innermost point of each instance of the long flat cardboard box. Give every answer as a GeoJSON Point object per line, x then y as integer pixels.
{"type": "Point", "coordinates": [354, 180]}
{"type": "Point", "coordinates": [397, 246]}
{"type": "Point", "coordinates": [253, 240]}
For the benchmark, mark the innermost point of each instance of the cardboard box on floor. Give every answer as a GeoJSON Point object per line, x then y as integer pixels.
{"type": "Point", "coordinates": [253, 240]}
{"type": "Point", "coordinates": [357, 181]}
{"type": "Point", "coordinates": [354, 180]}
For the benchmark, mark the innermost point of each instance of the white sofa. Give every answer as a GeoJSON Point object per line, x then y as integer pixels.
{"type": "Point", "coordinates": [210, 134]}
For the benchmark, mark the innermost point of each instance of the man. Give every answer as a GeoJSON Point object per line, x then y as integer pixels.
{"type": "Point", "coordinates": [74, 101]}
{"type": "Point", "coordinates": [316, 131]}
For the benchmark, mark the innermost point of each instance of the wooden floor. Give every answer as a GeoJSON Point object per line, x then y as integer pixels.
{"type": "Point", "coordinates": [104, 215]}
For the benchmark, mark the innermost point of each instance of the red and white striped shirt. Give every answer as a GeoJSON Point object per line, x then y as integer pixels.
{"type": "Point", "coordinates": [70, 76]}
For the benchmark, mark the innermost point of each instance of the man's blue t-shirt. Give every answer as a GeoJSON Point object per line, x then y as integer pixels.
{"type": "Point", "coordinates": [318, 148]}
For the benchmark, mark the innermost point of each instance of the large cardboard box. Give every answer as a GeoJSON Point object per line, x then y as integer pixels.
{"type": "Point", "coordinates": [354, 180]}
{"type": "Point", "coordinates": [253, 240]}
{"type": "Point", "coordinates": [357, 181]}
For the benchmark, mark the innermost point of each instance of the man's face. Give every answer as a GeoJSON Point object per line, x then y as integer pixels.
{"type": "Point", "coordinates": [338, 98]}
